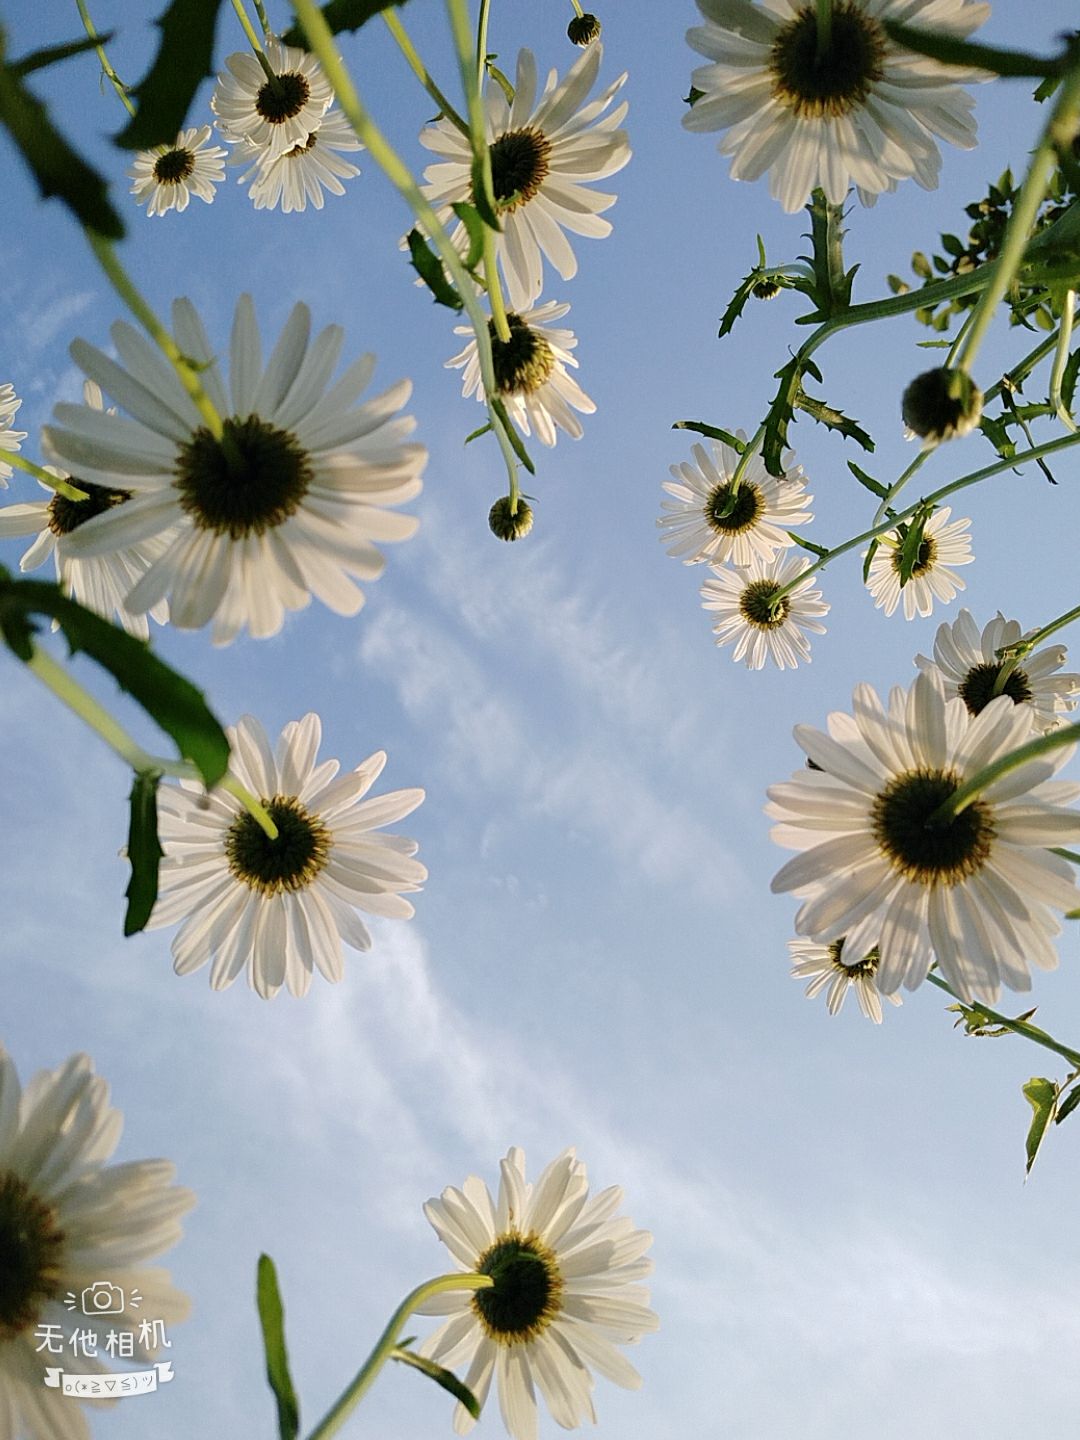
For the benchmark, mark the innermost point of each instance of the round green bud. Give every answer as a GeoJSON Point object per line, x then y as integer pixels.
{"type": "Point", "coordinates": [509, 525]}
{"type": "Point", "coordinates": [584, 29]}
{"type": "Point", "coordinates": [765, 290]}
{"type": "Point", "coordinates": [942, 404]}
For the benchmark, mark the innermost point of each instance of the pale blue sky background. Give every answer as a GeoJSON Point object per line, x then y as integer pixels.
{"type": "Point", "coordinates": [844, 1244]}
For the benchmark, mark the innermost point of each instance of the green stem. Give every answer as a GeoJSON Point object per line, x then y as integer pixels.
{"type": "Point", "coordinates": [894, 489]}
{"type": "Point", "coordinates": [188, 376]}
{"type": "Point", "coordinates": [1061, 359]}
{"type": "Point", "coordinates": [1038, 636]}
{"type": "Point", "coordinates": [482, 37]}
{"type": "Point", "coordinates": [62, 487]}
{"type": "Point", "coordinates": [81, 703]}
{"type": "Point", "coordinates": [336, 1416]}
{"type": "Point", "coordinates": [110, 74]}
{"type": "Point", "coordinates": [1065, 854]}
{"type": "Point", "coordinates": [742, 462]}
{"type": "Point", "coordinates": [254, 807]}
{"type": "Point", "coordinates": [264, 20]}
{"type": "Point", "coordinates": [255, 43]}
{"type": "Point", "coordinates": [1018, 1027]}
{"type": "Point", "coordinates": [420, 70]}
{"type": "Point", "coordinates": [824, 28]}
{"type": "Point", "coordinates": [962, 797]}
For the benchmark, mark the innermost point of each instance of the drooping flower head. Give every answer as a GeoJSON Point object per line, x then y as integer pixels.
{"type": "Point", "coordinates": [301, 174]}
{"type": "Point", "coordinates": [933, 576]}
{"type": "Point", "coordinates": [836, 970]}
{"type": "Point", "coordinates": [166, 177]}
{"type": "Point", "coordinates": [744, 601]}
{"type": "Point", "coordinates": [273, 116]}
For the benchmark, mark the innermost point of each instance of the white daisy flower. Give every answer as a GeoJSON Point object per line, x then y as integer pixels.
{"type": "Point", "coordinates": [280, 909]}
{"type": "Point", "coordinates": [697, 524]}
{"type": "Point", "coordinates": [9, 439]}
{"type": "Point", "coordinates": [543, 156]}
{"type": "Point", "coordinates": [743, 602]}
{"type": "Point", "coordinates": [284, 507]}
{"type": "Point", "coordinates": [271, 117]}
{"type": "Point", "coordinates": [69, 1221]}
{"type": "Point", "coordinates": [302, 173]}
{"type": "Point", "coordinates": [530, 372]}
{"type": "Point", "coordinates": [943, 545]}
{"type": "Point", "coordinates": [169, 175]}
{"type": "Point", "coordinates": [99, 583]}
{"type": "Point", "coordinates": [824, 965]}
{"type": "Point", "coordinates": [867, 115]}
{"type": "Point", "coordinates": [969, 664]}
{"type": "Point", "coordinates": [972, 893]}
{"type": "Point", "coordinates": [566, 1292]}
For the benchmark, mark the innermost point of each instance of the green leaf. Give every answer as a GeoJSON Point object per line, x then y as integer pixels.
{"type": "Point", "coordinates": [430, 269]}
{"type": "Point", "coordinates": [1068, 379]}
{"type": "Point", "coordinates": [834, 419]}
{"type": "Point", "coordinates": [499, 78]}
{"type": "Point", "coordinates": [1041, 1094]}
{"type": "Point", "coordinates": [58, 169]}
{"type": "Point", "coordinates": [781, 413]}
{"type": "Point", "coordinates": [1068, 1105]}
{"type": "Point", "coordinates": [446, 1378]}
{"type": "Point", "coordinates": [479, 194]}
{"type": "Point", "coordinates": [951, 51]}
{"type": "Point", "coordinates": [820, 550]}
{"type": "Point", "coordinates": [470, 218]}
{"type": "Point", "coordinates": [713, 432]}
{"type": "Point", "coordinates": [272, 1320]}
{"type": "Point", "coordinates": [177, 706]}
{"type": "Point", "coordinates": [342, 15]}
{"type": "Point", "coordinates": [694, 96]}
{"type": "Point", "coordinates": [184, 59]}
{"type": "Point", "coordinates": [912, 544]}
{"type": "Point", "coordinates": [144, 852]}
{"type": "Point", "coordinates": [875, 486]}
{"type": "Point", "coordinates": [516, 442]}
{"type": "Point", "coordinates": [52, 54]}
{"type": "Point", "coordinates": [483, 430]}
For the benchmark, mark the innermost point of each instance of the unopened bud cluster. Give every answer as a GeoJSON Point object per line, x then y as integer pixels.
{"type": "Point", "coordinates": [510, 524]}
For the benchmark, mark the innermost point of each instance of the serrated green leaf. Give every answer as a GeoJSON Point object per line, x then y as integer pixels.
{"type": "Point", "coordinates": [737, 304]}
{"type": "Point", "coordinates": [144, 852]}
{"type": "Point", "coordinates": [474, 226]}
{"type": "Point", "coordinates": [911, 545]}
{"type": "Point", "coordinates": [430, 269]}
{"type": "Point", "coordinates": [1068, 1104]}
{"type": "Point", "coordinates": [874, 486]}
{"type": "Point", "coordinates": [52, 54]}
{"type": "Point", "coordinates": [184, 59]}
{"type": "Point", "coordinates": [714, 432]}
{"type": "Point", "coordinates": [1041, 1094]}
{"type": "Point", "coordinates": [272, 1321]}
{"type": "Point", "coordinates": [1069, 378]}
{"type": "Point", "coordinates": [781, 413]}
{"type": "Point", "coordinates": [834, 419]}
{"type": "Point", "coordinates": [512, 435]}
{"type": "Point", "coordinates": [342, 15]}
{"type": "Point", "coordinates": [446, 1378]}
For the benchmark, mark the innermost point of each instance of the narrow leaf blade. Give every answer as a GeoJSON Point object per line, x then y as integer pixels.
{"type": "Point", "coordinates": [272, 1320]}
{"type": "Point", "coordinates": [430, 269]}
{"type": "Point", "coordinates": [446, 1378]}
{"type": "Point", "coordinates": [144, 853]}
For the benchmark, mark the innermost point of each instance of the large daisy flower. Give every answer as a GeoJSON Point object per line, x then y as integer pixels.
{"type": "Point", "coordinates": [70, 1222]}
{"type": "Point", "coordinates": [933, 577]}
{"type": "Point", "coordinates": [530, 372]}
{"type": "Point", "coordinates": [868, 113]}
{"type": "Point", "coordinates": [830, 968]}
{"type": "Point", "coordinates": [970, 664]}
{"type": "Point", "coordinates": [701, 523]}
{"type": "Point", "coordinates": [280, 909]}
{"type": "Point", "coordinates": [285, 506]}
{"type": "Point", "coordinates": [167, 176]}
{"type": "Point", "coordinates": [302, 173]}
{"type": "Point", "coordinates": [566, 1292]}
{"type": "Point", "coordinates": [973, 893]}
{"type": "Point", "coordinates": [743, 602]}
{"type": "Point", "coordinates": [273, 117]}
{"type": "Point", "coordinates": [543, 156]}
{"type": "Point", "coordinates": [10, 439]}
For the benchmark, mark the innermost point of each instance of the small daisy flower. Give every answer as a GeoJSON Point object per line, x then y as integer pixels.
{"type": "Point", "coordinates": [743, 600]}
{"type": "Point", "coordinates": [867, 114]}
{"type": "Point", "coordinates": [169, 175]}
{"type": "Point", "coordinates": [70, 1221]}
{"type": "Point", "coordinates": [302, 173]}
{"type": "Point", "coordinates": [969, 664]}
{"type": "Point", "coordinates": [700, 522]}
{"type": "Point", "coordinates": [566, 1292]}
{"type": "Point", "coordinates": [280, 909]}
{"type": "Point", "coordinates": [943, 546]}
{"type": "Point", "coordinates": [825, 965]}
{"type": "Point", "coordinates": [9, 439]}
{"type": "Point", "coordinates": [274, 117]}
{"type": "Point", "coordinates": [974, 892]}
{"type": "Point", "coordinates": [530, 372]}
{"type": "Point", "coordinates": [544, 155]}
{"type": "Point", "coordinates": [287, 505]}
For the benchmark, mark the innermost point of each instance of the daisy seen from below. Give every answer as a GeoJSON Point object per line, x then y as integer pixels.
{"type": "Point", "coordinates": [288, 504]}
{"type": "Point", "coordinates": [68, 1222]}
{"type": "Point", "coordinates": [166, 177]}
{"type": "Point", "coordinates": [10, 439]}
{"type": "Point", "coordinates": [867, 113]}
{"type": "Point", "coordinates": [971, 667]}
{"type": "Point", "coordinates": [567, 1291]}
{"type": "Point", "coordinates": [301, 174]}
{"type": "Point", "coordinates": [943, 546]}
{"type": "Point", "coordinates": [544, 155]}
{"type": "Point", "coordinates": [280, 909]}
{"type": "Point", "coordinates": [100, 583]}
{"type": "Point", "coordinates": [825, 967]}
{"type": "Point", "coordinates": [530, 372]}
{"type": "Point", "coordinates": [973, 892]}
{"type": "Point", "coordinates": [748, 617]}
{"type": "Point", "coordinates": [704, 521]}
{"type": "Point", "coordinates": [271, 116]}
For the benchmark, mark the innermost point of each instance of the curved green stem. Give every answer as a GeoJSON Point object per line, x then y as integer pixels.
{"type": "Point", "coordinates": [1061, 359]}
{"type": "Point", "coordinates": [336, 1416]}
{"type": "Point", "coordinates": [110, 74]}
{"type": "Point", "coordinates": [482, 37]}
{"type": "Point", "coordinates": [962, 797]}
{"type": "Point", "coordinates": [254, 807]}
{"type": "Point", "coordinates": [743, 461]}
{"type": "Point", "coordinates": [1036, 637]}
{"type": "Point", "coordinates": [420, 70]}
{"type": "Point", "coordinates": [62, 487]}
{"type": "Point", "coordinates": [264, 19]}
{"type": "Point", "coordinates": [894, 489]}
{"type": "Point", "coordinates": [1023, 1028]}
{"type": "Point", "coordinates": [81, 703]}
{"type": "Point", "coordinates": [255, 43]}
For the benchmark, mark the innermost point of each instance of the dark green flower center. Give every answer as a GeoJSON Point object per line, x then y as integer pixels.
{"type": "Point", "coordinates": [173, 166]}
{"type": "Point", "coordinates": [31, 1246]}
{"type": "Point", "coordinates": [759, 607]}
{"type": "Point", "coordinates": [733, 515]}
{"type": "Point", "coordinates": [522, 363]}
{"type": "Point", "coordinates": [247, 482]}
{"type": "Point", "coordinates": [67, 515]}
{"type": "Point", "coordinates": [977, 687]}
{"type": "Point", "coordinates": [292, 861]}
{"type": "Point", "coordinates": [839, 80]}
{"type": "Point", "coordinates": [283, 99]}
{"type": "Point", "coordinates": [938, 854]}
{"type": "Point", "coordinates": [519, 166]}
{"type": "Point", "coordinates": [527, 1290]}
{"type": "Point", "coordinates": [866, 966]}
{"type": "Point", "coordinates": [924, 561]}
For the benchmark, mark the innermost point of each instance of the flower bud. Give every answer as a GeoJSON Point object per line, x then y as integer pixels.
{"type": "Point", "coordinates": [765, 290]}
{"type": "Point", "coordinates": [507, 525]}
{"type": "Point", "coordinates": [941, 404]}
{"type": "Point", "coordinates": [584, 29]}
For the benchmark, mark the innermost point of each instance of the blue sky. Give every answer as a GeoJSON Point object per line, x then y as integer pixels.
{"type": "Point", "coordinates": [843, 1238]}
